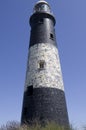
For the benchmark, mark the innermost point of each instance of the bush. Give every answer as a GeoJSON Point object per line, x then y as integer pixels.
{"type": "Point", "coordinates": [16, 126]}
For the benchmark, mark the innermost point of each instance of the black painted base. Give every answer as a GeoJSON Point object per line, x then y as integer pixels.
{"type": "Point", "coordinates": [45, 104]}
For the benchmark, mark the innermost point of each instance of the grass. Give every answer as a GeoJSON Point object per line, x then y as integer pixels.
{"type": "Point", "coordinates": [50, 126]}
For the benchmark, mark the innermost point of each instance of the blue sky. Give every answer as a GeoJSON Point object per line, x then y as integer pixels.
{"type": "Point", "coordinates": [14, 41]}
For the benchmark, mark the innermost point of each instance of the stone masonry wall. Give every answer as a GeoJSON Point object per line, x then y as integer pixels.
{"type": "Point", "coordinates": [51, 75]}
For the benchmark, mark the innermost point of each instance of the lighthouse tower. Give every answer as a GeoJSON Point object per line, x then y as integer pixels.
{"type": "Point", "coordinates": [44, 97]}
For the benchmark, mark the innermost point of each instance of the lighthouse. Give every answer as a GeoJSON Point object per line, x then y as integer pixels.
{"type": "Point", "coordinates": [44, 96]}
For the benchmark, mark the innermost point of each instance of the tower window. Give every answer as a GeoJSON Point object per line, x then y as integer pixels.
{"type": "Point", "coordinates": [30, 90]}
{"type": "Point", "coordinates": [41, 21]}
{"type": "Point", "coordinates": [42, 64]}
{"type": "Point", "coordinates": [51, 36]}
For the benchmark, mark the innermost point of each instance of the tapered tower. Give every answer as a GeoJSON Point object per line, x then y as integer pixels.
{"type": "Point", "coordinates": [44, 97]}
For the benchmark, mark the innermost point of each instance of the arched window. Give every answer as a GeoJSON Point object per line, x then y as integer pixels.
{"type": "Point", "coordinates": [30, 90]}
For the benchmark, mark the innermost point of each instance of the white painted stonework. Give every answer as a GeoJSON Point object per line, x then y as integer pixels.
{"type": "Point", "coordinates": [51, 75]}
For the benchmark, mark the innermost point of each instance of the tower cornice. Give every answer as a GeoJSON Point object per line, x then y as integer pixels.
{"type": "Point", "coordinates": [42, 15]}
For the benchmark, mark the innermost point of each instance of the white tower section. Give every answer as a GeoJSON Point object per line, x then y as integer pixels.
{"type": "Point", "coordinates": [44, 67]}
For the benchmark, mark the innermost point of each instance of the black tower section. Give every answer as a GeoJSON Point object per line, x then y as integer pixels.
{"type": "Point", "coordinates": [42, 25]}
{"type": "Point", "coordinates": [42, 103]}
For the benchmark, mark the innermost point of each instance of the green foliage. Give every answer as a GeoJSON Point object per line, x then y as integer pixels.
{"type": "Point", "coordinates": [50, 126]}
